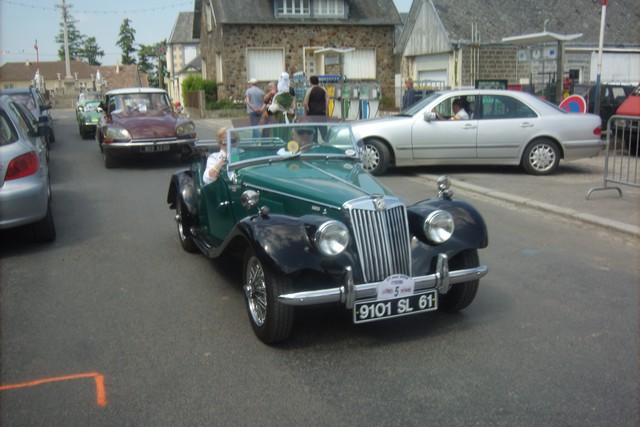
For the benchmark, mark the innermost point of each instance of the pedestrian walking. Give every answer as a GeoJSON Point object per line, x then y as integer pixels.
{"type": "Point", "coordinates": [253, 98]}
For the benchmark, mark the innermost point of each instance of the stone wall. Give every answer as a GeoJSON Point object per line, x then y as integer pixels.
{"type": "Point", "coordinates": [492, 63]}
{"type": "Point", "coordinates": [231, 42]}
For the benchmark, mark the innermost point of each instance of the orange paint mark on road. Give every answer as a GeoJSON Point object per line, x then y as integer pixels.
{"type": "Point", "coordinates": [101, 395]}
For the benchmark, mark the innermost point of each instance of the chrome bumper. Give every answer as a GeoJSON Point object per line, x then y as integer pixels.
{"type": "Point", "coordinates": [348, 293]}
{"type": "Point", "coordinates": [147, 143]}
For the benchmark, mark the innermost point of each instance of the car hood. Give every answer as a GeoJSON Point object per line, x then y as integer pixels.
{"type": "Point", "coordinates": [329, 183]}
{"type": "Point", "coordinates": [158, 125]}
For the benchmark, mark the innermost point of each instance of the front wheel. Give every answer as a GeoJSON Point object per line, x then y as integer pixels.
{"type": "Point", "coordinates": [186, 239]}
{"type": "Point", "coordinates": [541, 157]}
{"type": "Point", "coordinates": [270, 319]}
{"type": "Point", "coordinates": [375, 157]}
{"type": "Point", "coordinates": [461, 294]}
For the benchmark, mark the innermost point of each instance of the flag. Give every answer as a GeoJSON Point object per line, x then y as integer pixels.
{"type": "Point", "coordinates": [35, 46]}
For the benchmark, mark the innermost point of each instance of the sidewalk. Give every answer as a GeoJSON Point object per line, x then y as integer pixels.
{"type": "Point", "coordinates": [563, 193]}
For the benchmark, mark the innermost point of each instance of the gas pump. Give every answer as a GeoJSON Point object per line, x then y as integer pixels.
{"type": "Point", "coordinates": [369, 99]}
{"type": "Point", "coordinates": [331, 83]}
{"type": "Point", "coordinates": [300, 86]}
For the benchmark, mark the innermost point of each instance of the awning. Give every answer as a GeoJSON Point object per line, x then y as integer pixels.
{"type": "Point", "coordinates": [539, 38]}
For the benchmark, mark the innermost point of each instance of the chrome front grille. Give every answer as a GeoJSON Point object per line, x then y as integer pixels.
{"type": "Point", "coordinates": [381, 233]}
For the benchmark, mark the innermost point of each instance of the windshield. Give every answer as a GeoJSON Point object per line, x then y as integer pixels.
{"type": "Point", "coordinates": [260, 144]}
{"type": "Point", "coordinates": [139, 103]}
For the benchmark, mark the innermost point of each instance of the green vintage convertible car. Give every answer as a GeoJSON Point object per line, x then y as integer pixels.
{"type": "Point", "coordinates": [88, 113]}
{"type": "Point", "coordinates": [314, 228]}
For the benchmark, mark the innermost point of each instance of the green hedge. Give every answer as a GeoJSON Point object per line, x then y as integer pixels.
{"type": "Point", "coordinates": [194, 83]}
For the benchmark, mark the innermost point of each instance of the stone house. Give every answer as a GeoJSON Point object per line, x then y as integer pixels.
{"type": "Point", "coordinates": [260, 39]}
{"type": "Point", "coordinates": [457, 44]}
{"type": "Point", "coordinates": [183, 56]}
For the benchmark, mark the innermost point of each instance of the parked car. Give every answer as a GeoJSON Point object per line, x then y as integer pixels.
{"type": "Point", "coordinates": [87, 112]}
{"type": "Point", "coordinates": [314, 228]}
{"type": "Point", "coordinates": [631, 107]}
{"type": "Point", "coordinates": [611, 97]}
{"type": "Point", "coordinates": [25, 191]}
{"type": "Point", "coordinates": [37, 127]}
{"type": "Point", "coordinates": [32, 99]}
{"type": "Point", "coordinates": [504, 128]}
{"type": "Point", "coordinates": [139, 121]}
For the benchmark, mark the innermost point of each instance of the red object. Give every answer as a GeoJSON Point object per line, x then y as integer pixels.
{"type": "Point", "coordinates": [22, 166]}
{"type": "Point", "coordinates": [631, 105]}
{"type": "Point", "coordinates": [574, 104]}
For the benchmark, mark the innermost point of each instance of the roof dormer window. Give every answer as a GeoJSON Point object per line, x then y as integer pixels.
{"type": "Point", "coordinates": [333, 8]}
{"type": "Point", "coordinates": [293, 7]}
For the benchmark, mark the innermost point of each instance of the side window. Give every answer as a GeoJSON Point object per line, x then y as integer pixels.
{"type": "Point", "coordinates": [22, 122]}
{"type": "Point", "coordinates": [504, 107]}
{"type": "Point", "coordinates": [111, 104]}
{"type": "Point", "coordinates": [7, 132]}
{"type": "Point", "coordinates": [446, 111]}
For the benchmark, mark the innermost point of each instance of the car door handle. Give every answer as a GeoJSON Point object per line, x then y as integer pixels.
{"type": "Point", "coordinates": [526, 125]}
{"type": "Point", "coordinates": [469, 126]}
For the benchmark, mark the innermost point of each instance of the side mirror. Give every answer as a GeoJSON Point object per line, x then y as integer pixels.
{"type": "Point", "coordinates": [429, 116]}
{"type": "Point", "coordinates": [81, 108]}
{"type": "Point", "coordinates": [180, 109]}
{"type": "Point", "coordinates": [43, 130]}
{"type": "Point", "coordinates": [100, 110]}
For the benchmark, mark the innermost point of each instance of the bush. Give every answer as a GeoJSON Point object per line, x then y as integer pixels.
{"type": "Point", "coordinates": [194, 83]}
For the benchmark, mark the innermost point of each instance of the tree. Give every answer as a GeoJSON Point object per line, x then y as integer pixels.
{"type": "Point", "coordinates": [126, 42]}
{"type": "Point", "coordinates": [152, 61]}
{"type": "Point", "coordinates": [76, 41]}
{"type": "Point", "coordinates": [92, 51]}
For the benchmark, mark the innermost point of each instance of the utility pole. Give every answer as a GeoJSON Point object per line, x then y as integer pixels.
{"type": "Point", "coordinates": [65, 16]}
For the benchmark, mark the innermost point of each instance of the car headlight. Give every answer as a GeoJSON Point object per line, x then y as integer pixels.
{"type": "Point", "coordinates": [250, 199]}
{"type": "Point", "coordinates": [332, 238]}
{"type": "Point", "coordinates": [186, 129]}
{"type": "Point", "coordinates": [116, 134]}
{"type": "Point", "coordinates": [439, 226]}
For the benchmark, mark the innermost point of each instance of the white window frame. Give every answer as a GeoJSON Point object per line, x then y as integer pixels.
{"type": "Point", "coordinates": [329, 8]}
{"type": "Point", "coordinates": [293, 7]}
{"type": "Point", "coordinates": [265, 64]}
{"type": "Point", "coordinates": [360, 64]}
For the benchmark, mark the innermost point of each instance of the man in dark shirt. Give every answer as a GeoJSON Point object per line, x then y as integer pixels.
{"type": "Point", "coordinates": [409, 97]}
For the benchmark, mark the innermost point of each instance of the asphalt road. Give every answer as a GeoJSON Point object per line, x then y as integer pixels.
{"type": "Point", "coordinates": [113, 324]}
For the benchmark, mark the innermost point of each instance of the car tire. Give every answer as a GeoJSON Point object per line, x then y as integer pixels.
{"type": "Point", "coordinates": [184, 233]}
{"type": "Point", "coordinates": [541, 157]}
{"type": "Point", "coordinates": [375, 157]}
{"type": "Point", "coordinates": [462, 294]}
{"type": "Point", "coordinates": [45, 230]}
{"type": "Point", "coordinates": [109, 161]}
{"type": "Point", "coordinates": [270, 319]}
{"type": "Point", "coordinates": [83, 132]}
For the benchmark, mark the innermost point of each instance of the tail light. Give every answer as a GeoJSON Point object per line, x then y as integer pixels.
{"type": "Point", "coordinates": [21, 166]}
{"type": "Point", "coordinates": [597, 131]}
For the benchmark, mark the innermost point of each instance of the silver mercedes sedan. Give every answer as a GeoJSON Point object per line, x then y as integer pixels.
{"type": "Point", "coordinates": [479, 127]}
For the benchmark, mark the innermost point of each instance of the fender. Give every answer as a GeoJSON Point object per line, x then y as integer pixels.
{"type": "Point", "coordinates": [182, 182]}
{"type": "Point", "coordinates": [283, 243]}
{"type": "Point", "coordinates": [470, 231]}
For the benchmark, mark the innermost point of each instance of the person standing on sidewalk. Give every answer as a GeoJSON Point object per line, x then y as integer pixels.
{"type": "Point", "coordinates": [255, 107]}
{"type": "Point", "coordinates": [316, 100]}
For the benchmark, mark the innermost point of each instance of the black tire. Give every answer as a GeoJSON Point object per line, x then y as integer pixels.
{"type": "Point", "coordinates": [45, 230]}
{"type": "Point", "coordinates": [375, 157]}
{"type": "Point", "coordinates": [51, 138]}
{"type": "Point", "coordinates": [184, 233]}
{"type": "Point", "coordinates": [109, 161]}
{"type": "Point", "coordinates": [541, 157]}
{"type": "Point", "coordinates": [83, 132]}
{"type": "Point", "coordinates": [271, 320]}
{"type": "Point", "coordinates": [462, 294]}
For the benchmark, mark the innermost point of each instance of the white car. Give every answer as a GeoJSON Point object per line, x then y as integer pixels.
{"type": "Point", "coordinates": [503, 127]}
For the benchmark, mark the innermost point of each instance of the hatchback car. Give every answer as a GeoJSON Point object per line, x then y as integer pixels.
{"type": "Point", "coordinates": [314, 228]}
{"type": "Point", "coordinates": [32, 99]}
{"type": "Point", "coordinates": [25, 191]}
{"type": "Point", "coordinates": [140, 121]}
{"type": "Point", "coordinates": [498, 127]}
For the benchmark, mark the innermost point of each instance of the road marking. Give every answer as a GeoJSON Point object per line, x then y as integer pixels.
{"type": "Point", "coordinates": [101, 395]}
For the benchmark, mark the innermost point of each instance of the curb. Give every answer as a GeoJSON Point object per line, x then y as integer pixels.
{"type": "Point", "coordinates": [544, 207]}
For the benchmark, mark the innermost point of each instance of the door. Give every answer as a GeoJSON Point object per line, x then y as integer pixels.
{"type": "Point", "coordinates": [446, 137]}
{"type": "Point", "coordinates": [505, 124]}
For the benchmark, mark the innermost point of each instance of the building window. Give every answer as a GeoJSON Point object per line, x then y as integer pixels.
{"type": "Point", "coordinates": [219, 74]}
{"type": "Point", "coordinates": [360, 64]}
{"type": "Point", "coordinates": [265, 64]}
{"type": "Point", "coordinates": [329, 8]}
{"type": "Point", "coordinates": [292, 7]}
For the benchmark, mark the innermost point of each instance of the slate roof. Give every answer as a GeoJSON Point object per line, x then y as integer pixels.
{"type": "Point", "coordinates": [182, 32]}
{"type": "Point", "coordinates": [497, 19]}
{"type": "Point", "coordinates": [250, 12]}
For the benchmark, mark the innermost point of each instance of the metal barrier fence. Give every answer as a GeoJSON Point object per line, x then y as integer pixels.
{"type": "Point", "coordinates": [621, 164]}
